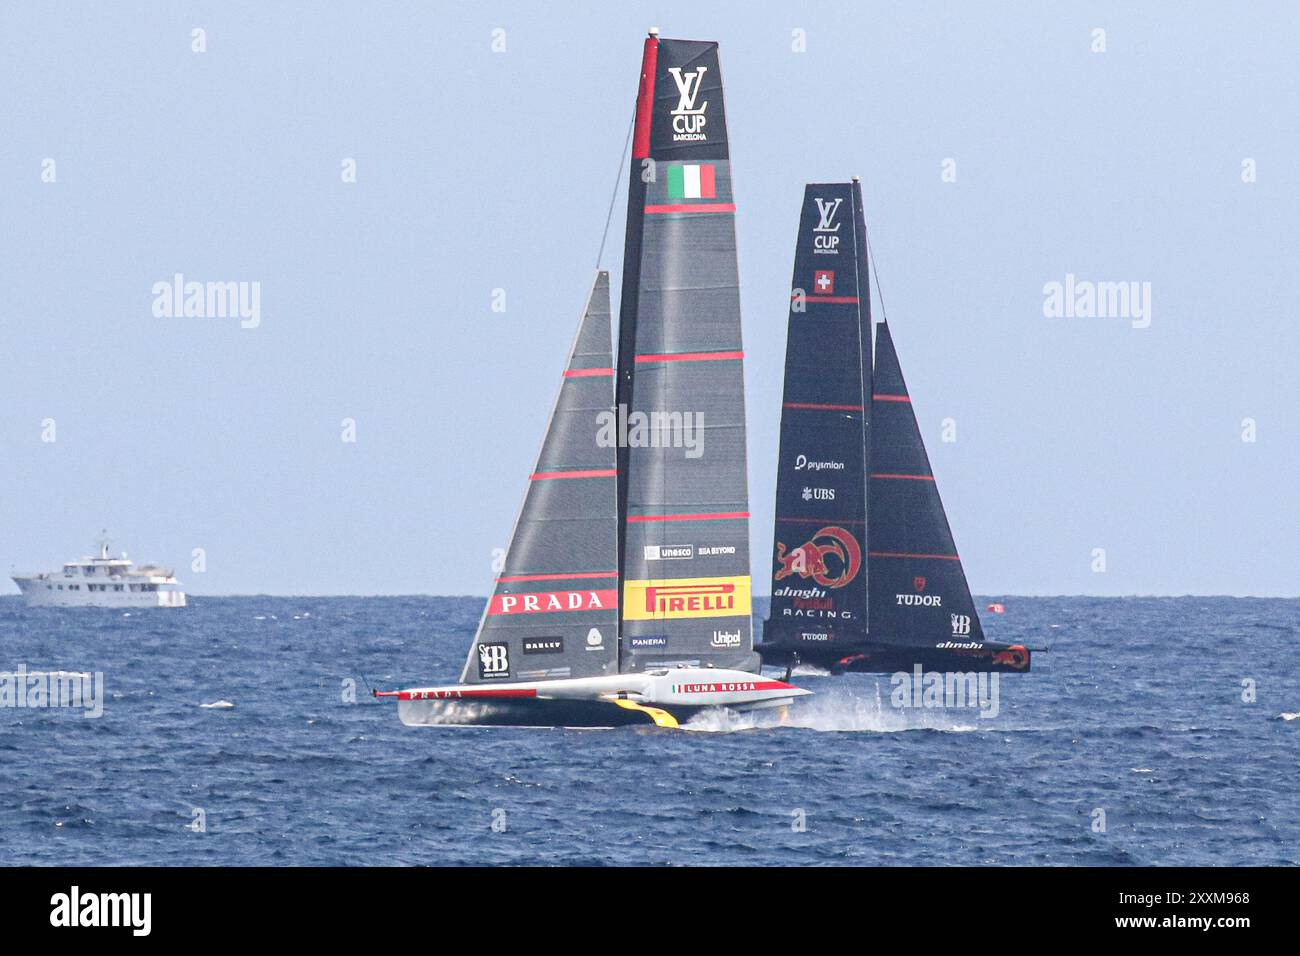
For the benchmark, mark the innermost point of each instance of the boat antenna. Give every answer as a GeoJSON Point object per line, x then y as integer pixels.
{"type": "Point", "coordinates": [613, 196]}
{"type": "Point", "coordinates": [871, 256]}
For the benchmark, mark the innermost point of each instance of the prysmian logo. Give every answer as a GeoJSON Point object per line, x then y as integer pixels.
{"type": "Point", "coordinates": [75, 908]}
{"type": "Point", "coordinates": [688, 119]}
{"type": "Point", "coordinates": [801, 463]}
{"type": "Point", "coordinates": [921, 689]}
{"type": "Point", "coordinates": [40, 689]}
{"type": "Point", "coordinates": [543, 645]}
{"type": "Point", "coordinates": [1085, 299]}
{"type": "Point", "coordinates": [208, 300]}
{"type": "Point", "coordinates": [651, 430]}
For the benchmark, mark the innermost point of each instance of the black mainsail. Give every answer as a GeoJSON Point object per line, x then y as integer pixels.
{"type": "Point", "coordinates": [553, 613]}
{"type": "Point", "coordinates": [919, 593]}
{"type": "Point", "coordinates": [820, 571]}
{"type": "Point", "coordinates": [683, 493]}
{"type": "Point", "coordinates": [865, 575]}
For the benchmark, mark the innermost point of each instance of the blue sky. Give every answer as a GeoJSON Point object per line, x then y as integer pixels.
{"type": "Point", "coordinates": [479, 171]}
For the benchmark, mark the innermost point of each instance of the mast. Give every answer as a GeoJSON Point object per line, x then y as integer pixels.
{"type": "Point", "coordinates": [553, 613]}
{"type": "Point", "coordinates": [919, 593]}
{"type": "Point", "coordinates": [819, 571]}
{"type": "Point", "coordinates": [683, 499]}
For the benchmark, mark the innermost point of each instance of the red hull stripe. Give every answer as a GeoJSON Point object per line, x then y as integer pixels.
{"type": "Point", "coordinates": [588, 372]}
{"type": "Point", "coordinates": [892, 398]}
{"type": "Point", "coordinates": [907, 477]}
{"type": "Point", "coordinates": [692, 357]}
{"type": "Point", "coordinates": [832, 299]}
{"type": "Point", "coordinates": [576, 575]}
{"type": "Point", "coordinates": [552, 475]}
{"type": "Point", "coordinates": [895, 554]}
{"type": "Point", "coordinates": [718, 516]}
{"type": "Point", "coordinates": [691, 207]}
{"type": "Point", "coordinates": [645, 99]}
{"type": "Point", "coordinates": [825, 408]}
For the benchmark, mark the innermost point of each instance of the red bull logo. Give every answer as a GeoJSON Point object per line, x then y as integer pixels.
{"type": "Point", "coordinates": [832, 558]}
{"type": "Point", "coordinates": [1015, 656]}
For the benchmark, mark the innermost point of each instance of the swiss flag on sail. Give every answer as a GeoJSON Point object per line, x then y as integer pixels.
{"type": "Point", "coordinates": [823, 282]}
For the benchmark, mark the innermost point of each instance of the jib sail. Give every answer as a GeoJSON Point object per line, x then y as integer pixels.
{"type": "Point", "coordinates": [554, 611]}
{"type": "Point", "coordinates": [820, 570]}
{"type": "Point", "coordinates": [919, 594]}
{"type": "Point", "coordinates": [684, 499]}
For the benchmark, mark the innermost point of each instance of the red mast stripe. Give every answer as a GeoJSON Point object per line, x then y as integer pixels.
{"type": "Point", "coordinates": [645, 98]}
{"type": "Point", "coordinates": [691, 357]}
{"type": "Point", "coordinates": [717, 516]}
{"type": "Point", "coordinates": [591, 473]}
{"type": "Point", "coordinates": [895, 554]}
{"type": "Point", "coordinates": [693, 207]}
{"type": "Point", "coordinates": [819, 407]}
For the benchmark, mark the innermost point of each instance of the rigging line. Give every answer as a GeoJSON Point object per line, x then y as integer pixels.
{"type": "Point", "coordinates": [613, 197]}
{"type": "Point", "coordinates": [871, 256]}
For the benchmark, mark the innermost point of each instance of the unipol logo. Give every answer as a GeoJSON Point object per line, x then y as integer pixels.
{"type": "Point", "coordinates": [688, 118]}
{"type": "Point", "coordinates": [960, 624]}
{"type": "Point", "coordinates": [825, 240]}
{"type": "Point", "coordinates": [493, 660]}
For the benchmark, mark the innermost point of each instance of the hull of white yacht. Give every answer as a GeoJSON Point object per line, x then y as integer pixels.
{"type": "Point", "coordinates": [42, 591]}
{"type": "Point", "coordinates": [661, 698]}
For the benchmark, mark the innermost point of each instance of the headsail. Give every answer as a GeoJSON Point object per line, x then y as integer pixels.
{"type": "Point", "coordinates": [554, 611]}
{"type": "Point", "coordinates": [684, 499]}
{"type": "Point", "coordinates": [819, 575]}
{"type": "Point", "coordinates": [919, 594]}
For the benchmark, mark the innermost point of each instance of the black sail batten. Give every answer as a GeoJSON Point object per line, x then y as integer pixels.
{"type": "Point", "coordinates": [553, 612]}
{"type": "Point", "coordinates": [683, 495]}
{"type": "Point", "coordinates": [919, 594]}
{"type": "Point", "coordinates": [820, 570]}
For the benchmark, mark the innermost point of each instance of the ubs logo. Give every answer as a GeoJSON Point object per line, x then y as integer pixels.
{"type": "Point", "coordinates": [493, 661]}
{"type": "Point", "coordinates": [825, 242]}
{"type": "Point", "coordinates": [688, 119]}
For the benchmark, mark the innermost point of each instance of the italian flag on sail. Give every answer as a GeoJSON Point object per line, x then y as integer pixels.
{"type": "Point", "coordinates": [691, 182]}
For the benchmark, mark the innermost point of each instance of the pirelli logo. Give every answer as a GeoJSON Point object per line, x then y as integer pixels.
{"type": "Point", "coordinates": [682, 598]}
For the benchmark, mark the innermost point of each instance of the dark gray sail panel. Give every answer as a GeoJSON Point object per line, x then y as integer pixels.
{"type": "Point", "coordinates": [819, 572]}
{"type": "Point", "coordinates": [919, 594]}
{"type": "Point", "coordinates": [554, 610]}
{"type": "Point", "coordinates": [684, 494]}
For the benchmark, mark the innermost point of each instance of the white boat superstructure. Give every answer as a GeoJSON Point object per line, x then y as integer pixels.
{"type": "Point", "coordinates": [102, 581]}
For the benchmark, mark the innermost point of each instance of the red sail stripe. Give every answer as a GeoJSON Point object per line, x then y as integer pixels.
{"type": "Point", "coordinates": [588, 372]}
{"type": "Point", "coordinates": [558, 577]}
{"type": "Point", "coordinates": [907, 477]}
{"type": "Point", "coordinates": [891, 398]}
{"type": "Point", "coordinates": [591, 473]}
{"type": "Point", "coordinates": [820, 407]}
{"type": "Point", "coordinates": [818, 520]}
{"type": "Point", "coordinates": [691, 357]}
{"type": "Point", "coordinates": [692, 207]}
{"type": "Point", "coordinates": [716, 516]}
{"type": "Point", "coordinates": [645, 98]}
{"type": "Point", "coordinates": [895, 554]}
{"type": "Point", "coordinates": [833, 299]}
